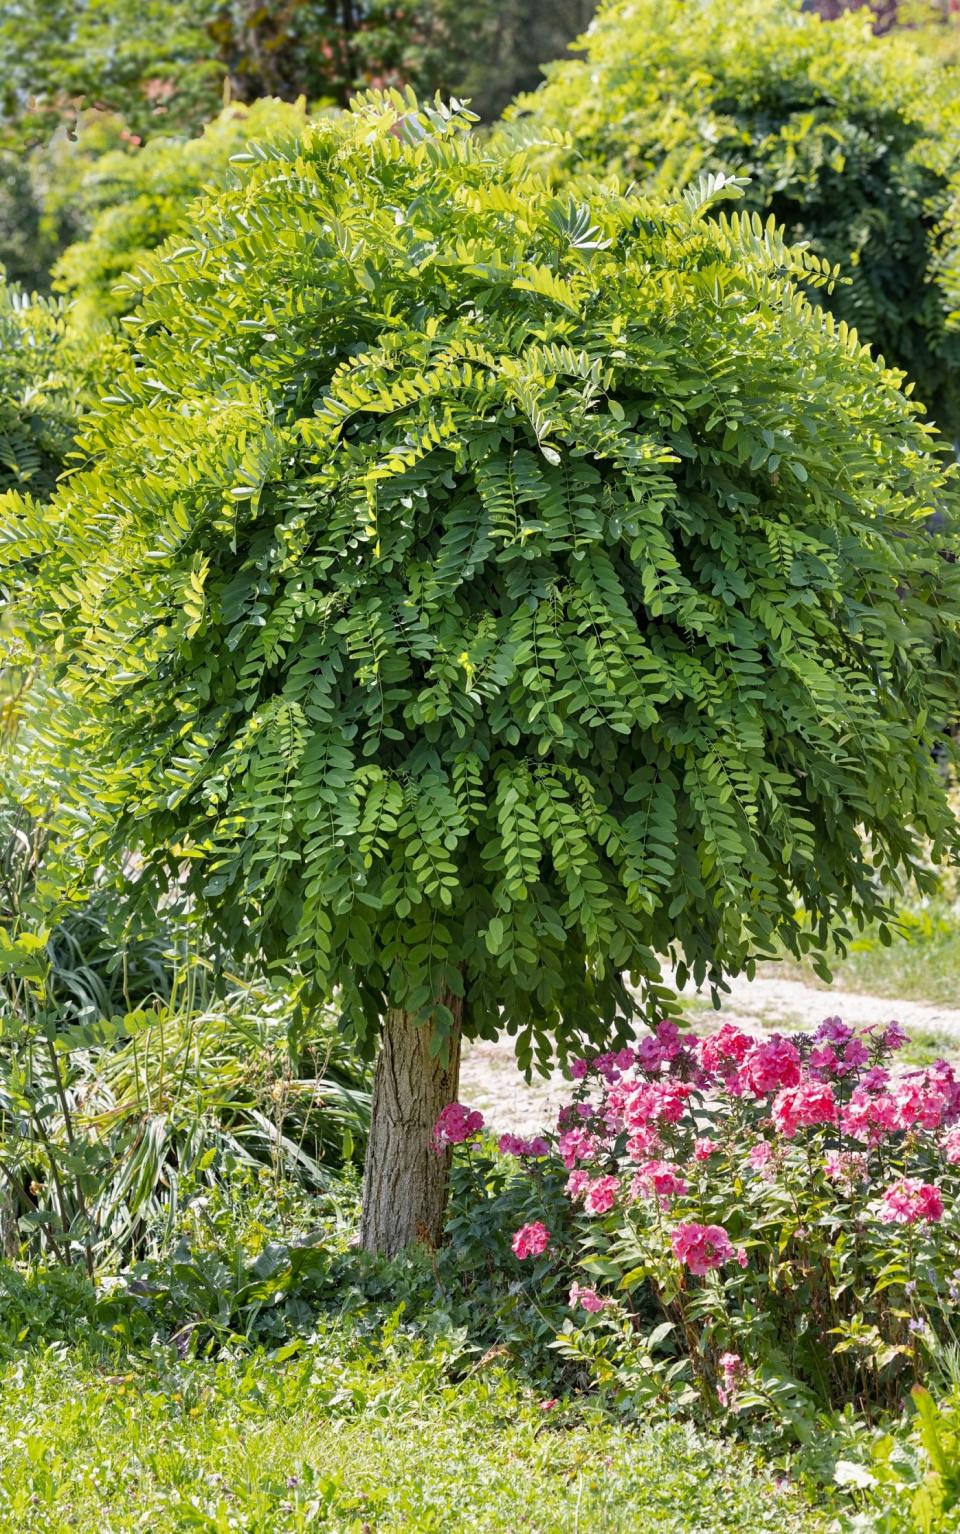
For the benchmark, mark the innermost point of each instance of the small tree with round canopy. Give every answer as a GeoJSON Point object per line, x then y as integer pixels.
{"type": "Point", "coordinates": [475, 594]}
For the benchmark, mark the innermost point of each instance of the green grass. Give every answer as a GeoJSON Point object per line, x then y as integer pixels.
{"type": "Point", "coordinates": [922, 963]}
{"type": "Point", "coordinates": [369, 1443]}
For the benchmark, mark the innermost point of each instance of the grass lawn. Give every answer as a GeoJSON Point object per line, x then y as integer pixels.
{"type": "Point", "coordinates": [921, 964]}
{"type": "Point", "coordinates": [372, 1443]}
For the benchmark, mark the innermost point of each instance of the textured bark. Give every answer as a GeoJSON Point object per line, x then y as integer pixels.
{"type": "Point", "coordinates": [404, 1180]}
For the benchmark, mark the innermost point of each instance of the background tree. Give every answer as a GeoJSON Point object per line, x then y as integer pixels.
{"type": "Point", "coordinates": [43, 382]}
{"type": "Point", "coordinates": [476, 594]}
{"type": "Point", "coordinates": [134, 201]}
{"type": "Point", "coordinates": [851, 141]}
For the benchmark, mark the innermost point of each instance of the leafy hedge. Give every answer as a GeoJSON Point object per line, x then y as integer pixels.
{"type": "Point", "coordinates": [849, 140]}
{"type": "Point", "coordinates": [479, 590]}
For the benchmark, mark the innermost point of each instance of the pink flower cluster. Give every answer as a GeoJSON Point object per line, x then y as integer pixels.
{"type": "Point", "coordinates": [732, 1373]}
{"type": "Point", "coordinates": [702, 1247]}
{"type": "Point", "coordinates": [513, 1145]}
{"type": "Point", "coordinates": [804, 1107]}
{"type": "Point", "coordinates": [908, 1201]}
{"type": "Point", "coordinates": [589, 1299]}
{"type": "Point", "coordinates": [531, 1240]}
{"type": "Point", "coordinates": [455, 1125]}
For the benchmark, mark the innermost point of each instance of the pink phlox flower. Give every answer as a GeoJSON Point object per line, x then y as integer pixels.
{"type": "Point", "coordinates": [455, 1125]}
{"type": "Point", "coordinates": [951, 1146]}
{"type": "Point", "coordinates": [704, 1148]}
{"type": "Point", "coordinates": [577, 1184]}
{"type": "Point", "coordinates": [531, 1240]}
{"type": "Point", "coordinates": [909, 1200]}
{"type": "Point", "coordinates": [874, 1079]}
{"type": "Point", "coordinates": [601, 1195]}
{"type": "Point", "coordinates": [733, 1372]}
{"type": "Point", "coordinates": [770, 1064]}
{"type": "Point", "coordinates": [589, 1299]}
{"type": "Point", "coordinates": [515, 1145]}
{"type": "Point", "coordinates": [661, 1178]}
{"type": "Point", "coordinates": [702, 1247]}
{"type": "Point", "coordinates": [760, 1157]}
{"type": "Point", "coordinates": [894, 1036]}
{"type": "Point", "coordinates": [847, 1167]}
{"type": "Point", "coordinates": [643, 1143]}
{"type": "Point", "coordinates": [722, 1051]}
{"type": "Point", "coordinates": [803, 1107]}
{"type": "Point", "coordinates": [922, 1098]}
{"type": "Point", "coordinates": [868, 1117]}
{"type": "Point", "coordinates": [577, 1145]}
{"type": "Point", "coordinates": [578, 1069]}
{"type": "Point", "coordinates": [855, 1055]}
{"type": "Point", "coordinates": [624, 1061]}
{"type": "Point", "coordinates": [833, 1031]}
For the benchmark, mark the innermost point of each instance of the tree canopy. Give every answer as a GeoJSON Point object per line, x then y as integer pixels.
{"type": "Point", "coordinates": [850, 141]}
{"type": "Point", "coordinates": [476, 591]}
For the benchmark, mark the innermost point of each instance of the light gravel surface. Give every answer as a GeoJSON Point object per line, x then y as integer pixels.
{"type": "Point", "coordinates": [490, 1080]}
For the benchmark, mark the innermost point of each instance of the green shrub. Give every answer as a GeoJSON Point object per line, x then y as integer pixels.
{"type": "Point", "coordinates": [42, 385]}
{"type": "Point", "coordinates": [135, 201]}
{"type": "Point", "coordinates": [477, 593]}
{"type": "Point", "coordinates": [849, 140]}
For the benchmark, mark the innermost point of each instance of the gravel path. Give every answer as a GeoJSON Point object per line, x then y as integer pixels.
{"type": "Point", "coordinates": [490, 1080]}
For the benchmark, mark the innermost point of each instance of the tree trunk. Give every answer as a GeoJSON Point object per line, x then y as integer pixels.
{"type": "Point", "coordinates": [404, 1180]}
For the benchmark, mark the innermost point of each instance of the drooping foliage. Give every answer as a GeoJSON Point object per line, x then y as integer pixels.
{"type": "Point", "coordinates": [135, 201]}
{"type": "Point", "coordinates": [848, 139]}
{"type": "Point", "coordinates": [42, 383]}
{"type": "Point", "coordinates": [476, 589]}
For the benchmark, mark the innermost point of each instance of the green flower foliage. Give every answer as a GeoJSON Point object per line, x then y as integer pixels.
{"type": "Point", "coordinates": [140, 199]}
{"type": "Point", "coordinates": [477, 590]}
{"type": "Point", "coordinates": [41, 382]}
{"type": "Point", "coordinates": [849, 140]}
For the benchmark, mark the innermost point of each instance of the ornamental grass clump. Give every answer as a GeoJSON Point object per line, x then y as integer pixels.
{"type": "Point", "coordinates": [781, 1214]}
{"type": "Point", "coordinates": [477, 591]}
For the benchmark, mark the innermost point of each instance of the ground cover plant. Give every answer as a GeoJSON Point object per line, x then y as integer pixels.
{"type": "Point", "coordinates": [595, 613]}
{"type": "Point", "coordinates": [849, 140]}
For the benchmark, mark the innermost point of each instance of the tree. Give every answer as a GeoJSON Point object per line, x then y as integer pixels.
{"type": "Point", "coordinates": [476, 593]}
{"type": "Point", "coordinates": [850, 141]}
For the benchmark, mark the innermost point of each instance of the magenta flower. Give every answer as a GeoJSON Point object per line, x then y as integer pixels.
{"type": "Point", "coordinates": [724, 1050]}
{"type": "Point", "coordinates": [733, 1370]}
{"type": "Point", "coordinates": [702, 1247]}
{"type": "Point", "coordinates": [589, 1299]}
{"type": "Point", "coordinates": [455, 1125]}
{"type": "Point", "coordinates": [601, 1195]}
{"type": "Point", "coordinates": [661, 1178]}
{"type": "Point", "coordinates": [705, 1148]}
{"type": "Point", "coordinates": [771, 1064]}
{"type": "Point", "coordinates": [513, 1145]}
{"type": "Point", "coordinates": [577, 1184]}
{"type": "Point", "coordinates": [531, 1240]}
{"type": "Point", "coordinates": [804, 1106]}
{"type": "Point", "coordinates": [909, 1201]}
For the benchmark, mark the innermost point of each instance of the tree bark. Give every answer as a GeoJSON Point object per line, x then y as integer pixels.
{"type": "Point", "coordinates": [404, 1179]}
